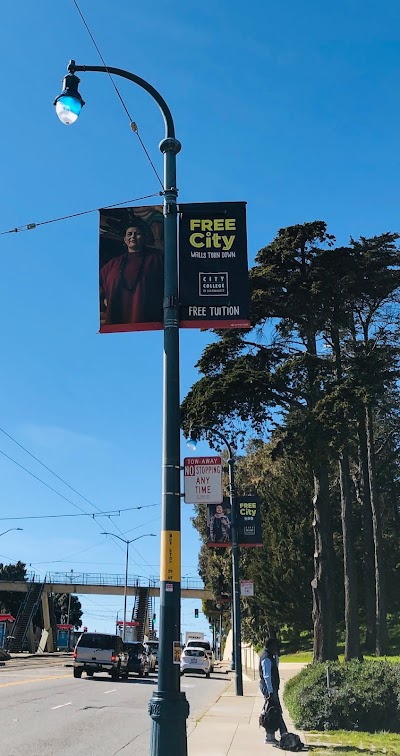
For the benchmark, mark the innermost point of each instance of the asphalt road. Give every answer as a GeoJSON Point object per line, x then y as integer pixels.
{"type": "Point", "coordinates": [44, 711]}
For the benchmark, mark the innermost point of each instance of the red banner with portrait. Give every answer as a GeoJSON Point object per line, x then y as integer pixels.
{"type": "Point", "coordinates": [131, 269]}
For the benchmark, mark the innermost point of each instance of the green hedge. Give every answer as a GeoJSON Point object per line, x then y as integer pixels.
{"type": "Point", "coordinates": [363, 696]}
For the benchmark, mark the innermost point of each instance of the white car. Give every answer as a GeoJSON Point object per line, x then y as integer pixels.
{"type": "Point", "coordinates": [205, 645]}
{"type": "Point", "coordinates": [195, 660]}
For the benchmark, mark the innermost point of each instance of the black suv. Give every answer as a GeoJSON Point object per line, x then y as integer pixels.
{"type": "Point", "coordinates": [138, 658]}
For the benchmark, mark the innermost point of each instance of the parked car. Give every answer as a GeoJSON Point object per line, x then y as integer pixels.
{"type": "Point", "coordinates": [205, 645]}
{"type": "Point", "coordinates": [152, 647]}
{"type": "Point", "coordinates": [138, 658]}
{"type": "Point", "coordinates": [98, 652]}
{"type": "Point", "coordinates": [195, 660]}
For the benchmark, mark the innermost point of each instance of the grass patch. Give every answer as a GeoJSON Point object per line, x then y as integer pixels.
{"type": "Point", "coordinates": [344, 743]}
{"type": "Point", "coordinates": [299, 656]}
{"type": "Point", "coordinates": [306, 657]}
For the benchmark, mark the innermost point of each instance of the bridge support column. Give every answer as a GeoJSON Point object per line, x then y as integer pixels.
{"type": "Point", "coordinates": [31, 639]}
{"type": "Point", "coordinates": [46, 621]}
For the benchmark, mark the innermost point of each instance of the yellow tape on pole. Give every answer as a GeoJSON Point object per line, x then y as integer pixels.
{"type": "Point", "coordinates": [170, 569]}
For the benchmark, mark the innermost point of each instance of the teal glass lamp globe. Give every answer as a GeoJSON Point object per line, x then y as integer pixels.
{"type": "Point", "coordinates": [191, 444]}
{"type": "Point", "coordinates": [68, 109]}
{"type": "Point", "coordinates": [69, 103]}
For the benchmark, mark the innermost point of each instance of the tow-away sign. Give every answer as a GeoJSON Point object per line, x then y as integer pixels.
{"type": "Point", "coordinates": [203, 480]}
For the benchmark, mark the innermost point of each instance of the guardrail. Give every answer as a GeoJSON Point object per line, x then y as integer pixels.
{"type": "Point", "coordinates": [100, 578]}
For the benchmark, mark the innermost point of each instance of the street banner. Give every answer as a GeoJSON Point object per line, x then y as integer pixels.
{"type": "Point", "coordinates": [131, 269]}
{"type": "Point", "coordinates": [213, 270]}
{"type": "Point", "coordinates": [202, 480]}
{"type": "Point", "coordinates": [219, 523]}
{"type": "Point", "coordinates": [249, 521]}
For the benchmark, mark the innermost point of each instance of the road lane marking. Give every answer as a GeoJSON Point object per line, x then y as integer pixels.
{"type": "Point", "coordinates": [35, 680]}
{"type": "Point", "coordinates": [61, 705]}
{"type": "Point", "coordinates": [109, 691]}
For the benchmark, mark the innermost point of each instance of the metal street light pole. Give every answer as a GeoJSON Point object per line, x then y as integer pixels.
{"type": "Point", "coordinates": [9, 530]}
{"type": "Point", "coordinates": [124, 540]}
{"type": "Point", "coordinates": [69, 597]}
{"type": "Point", "coordinates": [117, 620]}
{"type": "Point", "coordinates": [168, 707]}
{"type": "Point", "coordinates": [237, 634]}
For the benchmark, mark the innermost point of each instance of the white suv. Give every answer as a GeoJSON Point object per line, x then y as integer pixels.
{"type": "Point", "coordinates": [206, 648]}
{"type": "Point", "coordinates": [195, 660]}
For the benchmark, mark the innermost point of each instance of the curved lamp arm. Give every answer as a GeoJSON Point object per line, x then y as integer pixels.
{"type": "Point", "coordinates": [168, 120]}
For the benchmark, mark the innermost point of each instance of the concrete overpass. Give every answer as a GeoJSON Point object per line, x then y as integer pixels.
{"type": "Point", "coordinates": [92, 583]}
{"type": "Point", "coordinates": [102, 584]}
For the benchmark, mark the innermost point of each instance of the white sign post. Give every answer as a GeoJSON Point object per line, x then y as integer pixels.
{"type": "Point", "coordinates": [246, 588]}
{"type": "Point", "coordinates": [203, 480]}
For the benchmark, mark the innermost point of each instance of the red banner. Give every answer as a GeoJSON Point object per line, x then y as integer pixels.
{"type": "Point", "coordinates": [131, 269]}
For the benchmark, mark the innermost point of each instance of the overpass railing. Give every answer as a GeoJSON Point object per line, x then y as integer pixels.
{"type": "Point", "coordinates": [102, 578]}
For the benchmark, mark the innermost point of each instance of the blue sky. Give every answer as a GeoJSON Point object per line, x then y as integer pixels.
{"type": "Point", "coordinates": [291, 107]}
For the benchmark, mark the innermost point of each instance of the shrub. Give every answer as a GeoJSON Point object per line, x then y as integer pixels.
{"type": "Point", "coordinates": [363, 696]}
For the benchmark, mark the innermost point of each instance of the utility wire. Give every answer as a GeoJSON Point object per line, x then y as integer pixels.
{"type": "Point", "coordinates": [132, 123]}
{"type": "Point", "coordinates": [42, 481]}
{"type": "Point", "coordinates": [58, 478]}
{"type": "Point", "coordinates": [71, 488]}
{"type": "Point", "coordinates": [88, 548]}
{"type": "Point", "coordinates": [112, 513]}
{"type": "Point", "coordinates": [30, 226]}
{"type": "Point", "coordinates": [116, 541]}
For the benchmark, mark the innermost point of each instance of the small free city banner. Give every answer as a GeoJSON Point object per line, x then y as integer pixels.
{"type": "Point", "coordinates": [213, 270]}
{"type": "Point", "coordinates": [131, 269]}
{"type": "Point", "coordinates": [219, 523]}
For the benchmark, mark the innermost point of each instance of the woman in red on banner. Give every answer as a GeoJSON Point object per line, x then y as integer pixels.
{"type": "Point", "coordinates": [132, 285]}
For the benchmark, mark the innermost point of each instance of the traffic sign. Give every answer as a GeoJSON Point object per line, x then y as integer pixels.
{"type": "Point", "coordinates": [246, 588]}
{"type": "Point", "coordinates": [203, 480]}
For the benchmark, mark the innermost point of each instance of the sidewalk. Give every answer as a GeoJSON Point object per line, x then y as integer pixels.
{"type": "Point", "coordinates": [230, 726]}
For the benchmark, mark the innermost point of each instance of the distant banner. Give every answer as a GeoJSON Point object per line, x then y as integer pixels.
{"type": "Point", "coordinates": [131, 257]}
{"type": "Point", "coordinates": [219, 523]}
{"type": "Point", "coordinates": [213, 271]}
{"type": "Point", "coordinates": [249, 521]}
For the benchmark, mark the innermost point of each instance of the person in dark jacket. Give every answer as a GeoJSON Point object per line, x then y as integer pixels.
{"type": "Point", "coordinates": [270, 681]}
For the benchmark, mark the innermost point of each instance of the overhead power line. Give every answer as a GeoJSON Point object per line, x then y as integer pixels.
{"type": "Point", "coordinates": [42, 481]}
{"type": "Point", "coordinates": [133, 125]}
{"type": "Point", "coordinates": [36, 477]}
{"type": "Point", "coordinates": [112, 513]}
{"type": "Point", "coordinates": [30, 226]}
{"type": "Point", "coordinates": [89, 548]}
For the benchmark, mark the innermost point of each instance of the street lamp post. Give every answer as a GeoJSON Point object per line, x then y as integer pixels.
{"type": "Point", "coordinates": [237, 633]}
{"type": "Point", "coordinates": [9, 530]}
{"type": "Point", "coordinates": [69, 597]}
{"type": "Point", "coordinates": [126, 542]}
{"type": "Point", "coordinates": [117, 620]}
{"type": "Point", "coordinates": [168, 707]}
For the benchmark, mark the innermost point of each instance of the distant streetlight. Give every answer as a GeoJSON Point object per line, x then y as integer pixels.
{"type": "Point", "coordinates": [117, 620]}
{"type": "Point", "coordinates": [9, 530]}
{"type": "Point", "coordinates": [237, 632]}
{"type": "Point", "coordinates": [124, 540]}
{"type": "Point", "coordinates": [69, 597]}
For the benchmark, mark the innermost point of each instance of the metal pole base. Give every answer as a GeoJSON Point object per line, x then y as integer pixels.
{"type": "Point", "coordinates": [169, 712]}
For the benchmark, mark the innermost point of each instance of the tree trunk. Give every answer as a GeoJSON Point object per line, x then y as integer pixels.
{"type": "Point", "coordinates": [352, 628]}
{"type": "Point", "coordinates": [368, 564]}
{"type": "Point", "coordinates": [323, 584]}
{"type": "Point", "coordinates": [382, 641]}
{"type": "Point", "coordinates": [323, 590]}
